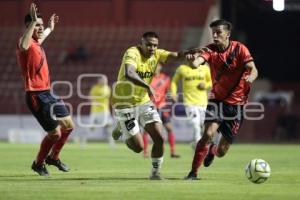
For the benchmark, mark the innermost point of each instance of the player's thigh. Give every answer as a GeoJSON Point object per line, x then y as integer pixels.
{"type": "Point", "coordinates": [151, 122]}
{"type": "Point", "coordinates": [66, 122]}
{"type": "Point", "coordinates": [39, 104]}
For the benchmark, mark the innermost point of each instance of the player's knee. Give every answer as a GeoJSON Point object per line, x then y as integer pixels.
{"type": "Point", "coordinates": [206, 138]}
{"type": "Point", "coordinates": [67, 124]}
{"type": "Point", "coordinates": [138, 149]}
{"type": "Point", "coordinates": [54, 136]}
{"type": "Point", "coordinates": [159, 140]}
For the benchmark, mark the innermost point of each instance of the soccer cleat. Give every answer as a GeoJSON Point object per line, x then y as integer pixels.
{"type": "Point", "coordinates": [57, 163]}
{"type": "Point", "coordinates": [40, 169]}
{"type": "Point", "coordinates": [116, 134]}
{"type": "Point", "coordinates": [155, 176]}
{"type": "Point", "coordinates": [209, 157]}
{"type": "Point", "coordinates": [191, 176]}
{"type": "Point", "coordinates": [173, 155]}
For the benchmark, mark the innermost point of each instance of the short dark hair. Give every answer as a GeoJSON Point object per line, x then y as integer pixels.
{"type": "Point", "coordinates": [28, 19]}
{"type": "Point", "coordinates": [150, 34]}
{"type": "Point", "coordinates": [220, 22]}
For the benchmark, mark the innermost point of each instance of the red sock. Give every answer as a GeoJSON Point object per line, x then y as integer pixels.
{"type": "Point", "coordinates": [57, 147]}
{"type": "Point", "coordinates": [171, 138]}
{"type": "Point", "coordinates": [45, 147]}
{"type": "Point", "coordinates": [200, 153]}
{"type": "Point", "coordinates": [145, 139]}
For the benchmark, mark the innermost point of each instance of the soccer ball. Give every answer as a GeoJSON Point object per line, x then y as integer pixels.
{"type": "Point", "coordinates": [258, 171]}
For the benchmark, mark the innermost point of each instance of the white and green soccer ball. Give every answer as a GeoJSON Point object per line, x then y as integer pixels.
{"type": "Point", "coordinates": [258, 171]}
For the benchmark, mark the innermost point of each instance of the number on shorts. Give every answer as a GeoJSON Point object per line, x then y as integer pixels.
{"type": "Point", "coordinates": [130, 124]}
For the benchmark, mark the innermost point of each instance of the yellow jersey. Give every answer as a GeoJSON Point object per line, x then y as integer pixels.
{"type": "Point", "coordinates": [190, 79]}
{"type": "Point", "coordinates": [127, 94]}
{"type": "Point", "coordinates": [100, 95]}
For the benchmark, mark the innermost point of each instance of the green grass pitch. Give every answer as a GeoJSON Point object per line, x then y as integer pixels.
{"type": "Point", "coordinates": [98, 172]}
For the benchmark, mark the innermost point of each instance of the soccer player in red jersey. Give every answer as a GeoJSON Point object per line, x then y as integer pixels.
{"type": "Point", "coordinates": [233, 71]}
{"type": "Point", "coordinates": [161, 84]}
{"type": "Point", "coordinates": [50, 111]}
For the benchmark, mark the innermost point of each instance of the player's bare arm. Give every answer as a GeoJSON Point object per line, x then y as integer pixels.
{"type": "Point", "coordinates": [195, 56]}
{"type": "Point", "coordinates": [25, 39]}
{"type": "Point", "coordinates": [181, 55]}
{"type": "Point", "coordinates": [51, 25]}
{"type": "Point", "coordinates": [131, 75]}
{"type": "Point", "coordinates": [253, 74]}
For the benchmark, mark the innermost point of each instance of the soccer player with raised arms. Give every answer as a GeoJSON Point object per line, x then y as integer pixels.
{"type": "Point", "coordinates": [43, 105]}
{"type": "Point", "coordinates": [233, 70]}
{"type": "Point", "coordinates": [131, 97]}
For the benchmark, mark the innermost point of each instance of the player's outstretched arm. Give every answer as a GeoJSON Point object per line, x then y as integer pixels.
{"type": "Point", "coordinates": [253, 74]}
{"type": "Point", "coordinates": [51, 25]}
{"type": "Point", "coordinates": [131, 75]}
{"type": "Point", "coordinates": [27, 35]}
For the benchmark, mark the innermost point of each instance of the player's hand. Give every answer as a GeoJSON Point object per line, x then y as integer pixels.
{"type": "Point", "coordinates": [201, 86]}
{"type": "Point", "coordinates": [52, 21]}
{"type": "Point", "coordinates": [249, 79]}
{"type": "Point", "coordinates": [33, 11]}
{"type": "Point", "coordinates": [190, 57]}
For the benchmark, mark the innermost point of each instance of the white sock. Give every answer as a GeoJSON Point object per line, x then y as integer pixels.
{"type": "Point", "coordinates": [156, 164]}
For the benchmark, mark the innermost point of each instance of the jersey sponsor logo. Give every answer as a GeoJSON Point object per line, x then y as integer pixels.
{"type": "Point", "coordinates": [192, 78]}
{"type": "Point", "coordinates": [145, 74]}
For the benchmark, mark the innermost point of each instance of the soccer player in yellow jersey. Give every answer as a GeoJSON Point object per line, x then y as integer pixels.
{"type": "Point", "coordinates": [132, 93]}
{"type": "Point", "coordinates": [100, 116]}
{"type": "Point", "coordinates": [195, 85]}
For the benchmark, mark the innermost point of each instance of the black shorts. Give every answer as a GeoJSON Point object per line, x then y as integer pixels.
{"type": "Point", "coordinates": [230, 118]}
{"type": "Point", "coordinates": [45, 108]}
{"type": "Point", "coordinates": [165, 115]}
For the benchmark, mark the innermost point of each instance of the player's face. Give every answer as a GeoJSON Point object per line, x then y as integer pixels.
{"type": "Point", "coordinates": [149, 46]}
{"type": "Point", "coordinates": [220, 35]}
{"type": "Point", "coordinates": [38, 29]}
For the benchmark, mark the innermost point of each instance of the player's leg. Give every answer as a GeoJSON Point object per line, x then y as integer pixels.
{"type": "Point", "coordinates": [67, 125]}
{"type": "Point", "coordinates": [165, 115]}
{"type": "Point", "coordinates": [202, 148]}
{"type": "Point", "coordinates": [151, 122]}
{"type": "Point", "coordinates": [129, 126]}
{"type": "Point", "coordinates": [211, 125]}
{"type": "Point", "coordinates": [228, 129]}
{"type": "Point", "coordinates": [116, 132]}
{"type": "Point", "coordinates": [146, 141]}
{"type": "Point", "coordinates": [108, 127]}
{"type": "Point", "coordinates": [39, 104]}
{"type": "Point", "coordinates": [48, 141]}
{"type": "Point", "coordinates": [91, 127]}
{"type": "Point", "coordinates": [171, 139]}
{"type": "Point", "coordinates": [194, 119]}
{"type": "Point", "coordinates": [155, 131]}
{"type": "Point", "coordinates": [135, 143]}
